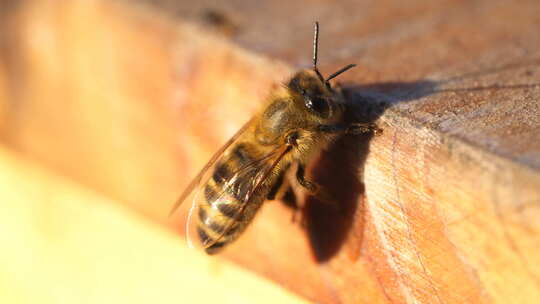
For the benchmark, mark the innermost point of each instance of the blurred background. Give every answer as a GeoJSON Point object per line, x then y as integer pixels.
{"type": "Point", "coordinates": [92, 99]}
{"type": "Point", "coordinates": [109, 108]}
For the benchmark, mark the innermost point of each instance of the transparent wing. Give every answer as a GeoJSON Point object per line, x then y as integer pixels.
{"type": "Point", "coordinates": [242, 184]}
{"type": "Point", "coordinates": [197, 180]}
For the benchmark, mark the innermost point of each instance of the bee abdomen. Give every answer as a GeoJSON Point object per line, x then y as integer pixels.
{"type": "Point", "coordinates": [222, 202]}
{"type": "Point", "coordinates": [227, 174]}
{"type": "Point", "coordinates": [221, 222]}
{"type": "Point", "coordinates": [229, 206]}
{"type": "Point", "coordinates": [215, 230]}
{"type": "Point", "coordinates": [207, 239]}
{"type": "Point", "coordinates": [217, 224]}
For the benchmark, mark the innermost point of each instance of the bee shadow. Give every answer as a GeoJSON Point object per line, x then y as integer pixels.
{"type": "Point", "coordinates": [339, 169]}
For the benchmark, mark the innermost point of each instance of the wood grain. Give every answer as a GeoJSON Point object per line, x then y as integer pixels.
{"type": "Point", "coordinates": [131, 100]}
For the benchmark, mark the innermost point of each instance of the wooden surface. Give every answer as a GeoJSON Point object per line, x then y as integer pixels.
{"type": "Point", "coordinates": [441, 208]}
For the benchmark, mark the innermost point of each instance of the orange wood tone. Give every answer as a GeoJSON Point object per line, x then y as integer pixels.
{"type": "Point", "coordinates": [441, 208]}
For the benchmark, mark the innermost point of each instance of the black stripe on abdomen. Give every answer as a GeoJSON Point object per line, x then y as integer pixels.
{"type": "Point", "coordinates": [224, 203]}
{"type": "Point", "coordinates": [209, 193]}
{"type": "Point", "coordinates": [218, 216]}
{"type": "Point", "coordinates": [241, 153]}
{"type": "Point", "coordinates": [202, 214]}
{"type": "Point", "coordinates": [222, 173]}
{"type": "Point", "coordinates": [235, 171]}
{"type": "Point", "coordinates": [206, 239]}
{"type": "Point", "coordinates": [215, 247]}
{"type": "Point", "coordinates": [239, 158]}
{"type": "Point", "coordinates": [217, 225]}
{"type": "Point", "coordinates": [230, 210]}
{"type": "Point", "coordinates": [203, 236]}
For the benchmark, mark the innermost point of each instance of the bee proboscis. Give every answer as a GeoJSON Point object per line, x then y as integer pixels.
{"type": "Point", "coordinates": [298, 120]}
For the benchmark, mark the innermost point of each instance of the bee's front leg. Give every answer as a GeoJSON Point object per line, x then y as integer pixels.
{"type": "Point", "coordinates": [360, 128]}
{"type": "Point", "coordinates": [354, 128]}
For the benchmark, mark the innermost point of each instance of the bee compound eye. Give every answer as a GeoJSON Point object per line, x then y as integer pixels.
{"type": "Point", "coordinates": [309, 103]}
{"type": "Point", "coordinates": [318, 105]}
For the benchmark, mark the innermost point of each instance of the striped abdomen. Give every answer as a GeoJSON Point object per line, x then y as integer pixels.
{"type": "Point", "coordinates": [225, 213]}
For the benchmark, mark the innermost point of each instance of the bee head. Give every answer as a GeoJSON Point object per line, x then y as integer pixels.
{"type": "Point", "coordinates": [315, 96]}
{"type": "Point", "coordinates": [309, 103]}
{"type": "Point", "coordinates": [313, 89]}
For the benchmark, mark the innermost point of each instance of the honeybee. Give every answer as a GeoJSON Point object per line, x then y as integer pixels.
{"type": "Point", "coordinates": [300, 119]}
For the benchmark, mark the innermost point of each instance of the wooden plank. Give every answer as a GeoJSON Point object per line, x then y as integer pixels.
{"type": "Point", "coordinates": [64, 243]}
{"type": "Point", "coordinates": [441, 208]}
{"type": "Point", "coordinates": [458, 67]}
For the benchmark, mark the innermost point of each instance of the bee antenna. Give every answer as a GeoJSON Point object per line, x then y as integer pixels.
{"type": "Point", "coordinates": [344, 69]}
{"type": "Point", "coordinates": [315, 49]}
